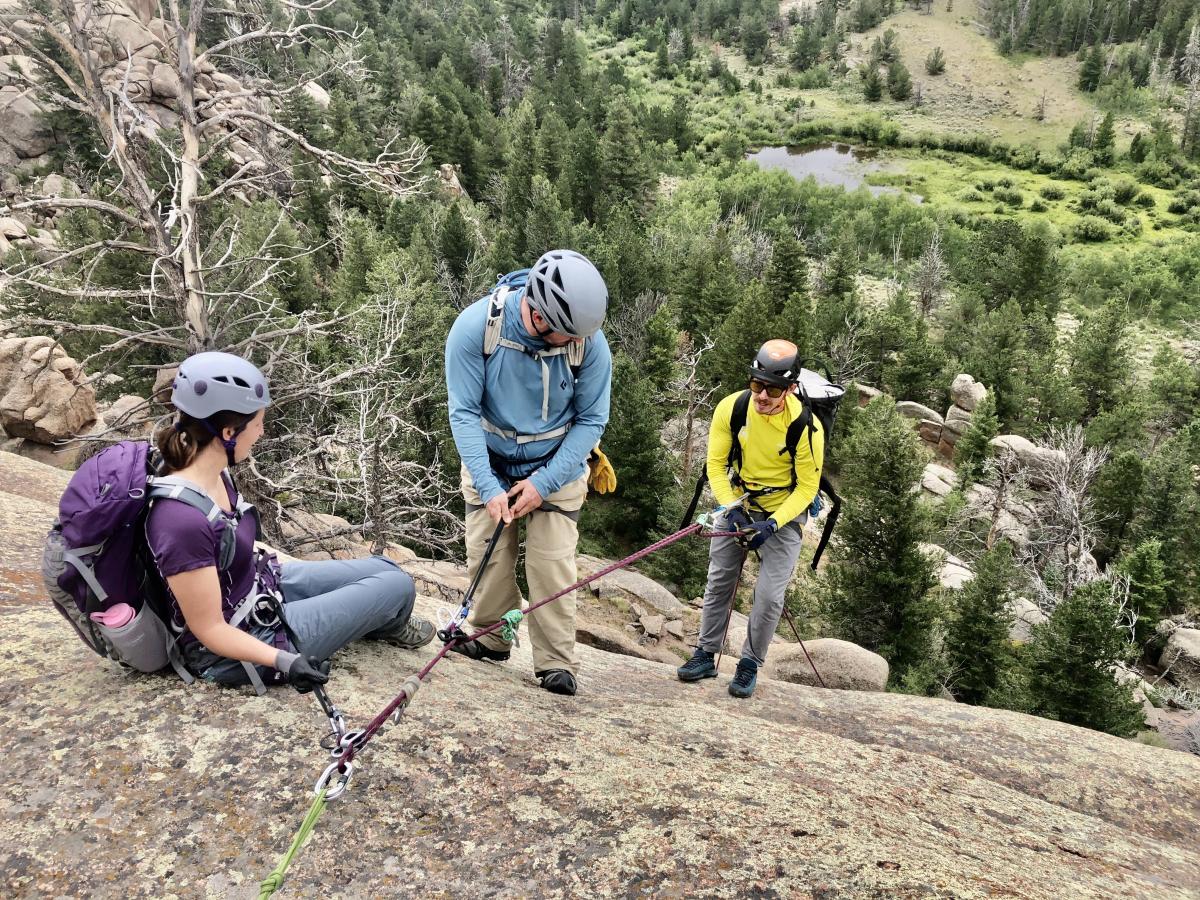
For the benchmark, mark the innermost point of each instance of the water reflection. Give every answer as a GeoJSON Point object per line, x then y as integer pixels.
{"type": "Point", "coordinates": [830, 163]}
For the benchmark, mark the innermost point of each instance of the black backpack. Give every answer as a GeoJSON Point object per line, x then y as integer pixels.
{"type": "Point", "coordinates": [819, 397]}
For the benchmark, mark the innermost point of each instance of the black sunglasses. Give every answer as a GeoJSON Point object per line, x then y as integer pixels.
{"type": "Point", "coordinates": [773, 391]}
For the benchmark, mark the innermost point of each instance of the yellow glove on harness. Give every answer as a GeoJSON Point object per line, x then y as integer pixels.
{"type": "Point", "coordinates": [602, 478]}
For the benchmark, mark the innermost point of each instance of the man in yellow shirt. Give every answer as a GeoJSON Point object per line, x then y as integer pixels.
{"type": "Point", "coordinates": [778, 489]}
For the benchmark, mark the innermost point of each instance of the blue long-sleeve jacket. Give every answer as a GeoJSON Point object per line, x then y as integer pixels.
{"type": "Point", "coordinates": [506, 389]}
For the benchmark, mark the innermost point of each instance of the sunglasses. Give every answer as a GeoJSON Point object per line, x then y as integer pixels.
{"type": "Point", "coordinates": [773, 391]}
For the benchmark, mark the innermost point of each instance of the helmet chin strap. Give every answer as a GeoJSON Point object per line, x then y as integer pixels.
{"type": "Point", "coordinates": [230, 444]}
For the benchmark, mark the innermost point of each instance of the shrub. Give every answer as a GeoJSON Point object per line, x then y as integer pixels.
{"type": "Point", "coordinates": [1110, 210]}
{"type": "Point", "coordinates": [1144, 200]}
{"type": "Point", "coordinates": [967, 195]}
{"type": "Point", "coordinates": [1091, 230]}
{"type": "Point", "coordinates": [935, 62]}
{"type": "Point", "coordinates": [1011, 196]}
{"type": "Point", "coordinates": [985, 185]}
{"type": "Point", "coordinates": [1004, 182]}
{"type": "Point", "coordinates": [1125, 191]}
{"type": "Point", "coordinates": [1037, 206]}
{"type": "Point", "coordinates": [1052, 192]}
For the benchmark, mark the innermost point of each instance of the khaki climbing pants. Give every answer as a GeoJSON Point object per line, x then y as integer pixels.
{"type": "Point", "coordinates": [550, 542]}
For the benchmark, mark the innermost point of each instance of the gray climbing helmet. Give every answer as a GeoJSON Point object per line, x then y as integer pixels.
{"type": "Point", "coordinates": [777, 363]}
{"type": "Point", "coordinates": [568, 292]}
{"type": "Point", "coordinates": [209, 383]}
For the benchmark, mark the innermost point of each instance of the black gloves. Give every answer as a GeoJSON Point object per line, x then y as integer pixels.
{"type": "Point", "coordinates": [736, 519]}
{"type": "Point", "coordinates": [303, 672]}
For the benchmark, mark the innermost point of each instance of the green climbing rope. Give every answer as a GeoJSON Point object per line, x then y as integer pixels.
{"type": "Point", "coordinates": [512, 621]}
{"type": "Point", "coordinates": [274, 881]}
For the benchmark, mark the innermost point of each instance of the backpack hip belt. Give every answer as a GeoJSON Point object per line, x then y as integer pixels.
{"type": "Point", "coordinates": [522, 439]}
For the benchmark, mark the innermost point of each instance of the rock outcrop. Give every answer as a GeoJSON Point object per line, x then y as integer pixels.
{"type": "Point", "coordinates": [841, 664]}
{"type": "Point", "coordinates": [638, 785]}
{"type": "Point", "coordinates": [43, 395]}
{"type": "Point", "coordinates": [1181, 657]}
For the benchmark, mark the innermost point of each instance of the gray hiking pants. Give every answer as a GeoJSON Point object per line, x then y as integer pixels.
{"type": "Point", "coordinates": [328, 604]}
{"type": "Point", "coordinates": [779, 555]}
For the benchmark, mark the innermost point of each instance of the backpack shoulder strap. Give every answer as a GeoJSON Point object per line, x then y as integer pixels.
{"type": "Point", "coordinates": [737, 421]}
{"type": "Point", "coordinates": [575, 352]}
{"type": "Point", "coordinates": [172, 487]}
{"type": "Point", "coordinates": [802, 424]}
{"type": "Point", "coordinates": [495, 320]}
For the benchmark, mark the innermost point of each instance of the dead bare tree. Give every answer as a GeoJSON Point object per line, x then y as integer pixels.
{"type": "Point", "coordinates": [931, 275]}
{"type": "Point", "coordinates": [695, 399]}
{"type": "Point", "coordinates": [192, 199]}
{"type": "Point", "coordinates": [163, 193]}
{"type": "Point", "coordinates": [1063, 530]}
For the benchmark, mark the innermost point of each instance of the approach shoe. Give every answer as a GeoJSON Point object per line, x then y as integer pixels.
{"type": "Point", "coordinates": [699, 667]}
{"type": "Point", "coordinates": [558, 681]}
{"type": "Point", "coordinates": [744, 679]}
{"type": "Point", "coordinates": [415, 633]}
{"type": "Point", "coordinates": [476, 650]}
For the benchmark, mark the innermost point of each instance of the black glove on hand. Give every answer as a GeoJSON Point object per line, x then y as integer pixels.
{"type": "Point", "coordinates": [759, 533]}
{"type": "Point", "coordinates": [303, 672]}
{"type": "Point", "coordinates": [736, 519]}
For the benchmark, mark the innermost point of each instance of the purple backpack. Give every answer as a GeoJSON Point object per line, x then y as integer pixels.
{"type": "Point", "coordinates": [96, 556]}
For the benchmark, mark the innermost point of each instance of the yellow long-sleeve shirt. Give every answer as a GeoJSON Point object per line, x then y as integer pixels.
{"type": "Point", "coordinates": [763, 464]}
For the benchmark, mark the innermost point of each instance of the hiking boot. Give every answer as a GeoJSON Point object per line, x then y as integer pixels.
{"type": "Point", "coordinates": [699, 667]}
{"type": "Point", "coordinates": [558, 681]}
{"type": "Point", "coordinates": [415, 633]}
{"type": "Point", "coordinates": [744, 678]}
{"type": "Point", "coordinates": [476, 650]}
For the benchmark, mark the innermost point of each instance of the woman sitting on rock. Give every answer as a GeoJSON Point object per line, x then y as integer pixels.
{"type": "Point", "coordinates": [223, 592]}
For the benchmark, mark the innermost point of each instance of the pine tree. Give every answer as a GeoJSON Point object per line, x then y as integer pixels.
{"type": "Point", "coordinates": [707, 285]}
{"type": "Point", "coordinates": [1169, 510]}
{"type": "Point", "coordinates": [1115, 496]}
{"type": "Point", "coordinates": [662, 61]}
{"type": "Point", "coordinates": [788, 271]}
{"type": "Point", "coordinates": [456, 244]}
{"type": "Point", "coordinates": [579, 176]}
{"type": "Point", "coordinates": [977, 638]}
{"type": "Point", "coordinates": [623, 174]}
{"type": "Point", "coordinates": [899, 81]}
{"type": "Point", "coordinates": [633, 444]}
{"type": "Point", "coordinates": [935, 62]}
{"type": "Point", "coordinates": [1070, 662]}
{"type": "Point", "coordinates": [1147, 586]}
{"type": "Point", "coordinates": [973, 449]}
{"type": "Point", "coordinates": [872, 84]}
{"type": "Point", "coordinates": [1100, 358]}
{"type": "Point", "coordinates": [996, 357]}
{"type": "Point", "coordinates": [1104, 143]}
{"type": "Point", "coordinates": [1092, 70]}
{"type": "Point", "coordinates": [746, 328]}
{"type": "Point", "coordinates": [878, 589]}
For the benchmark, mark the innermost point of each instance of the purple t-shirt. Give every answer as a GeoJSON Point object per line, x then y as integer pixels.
{"type": "Point", "coordinates": [182, 540]}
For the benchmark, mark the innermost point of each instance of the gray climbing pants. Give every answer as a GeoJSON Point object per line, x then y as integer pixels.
{"type": "Point", "coordinates": [779, 555]}
{"type": "Point", "coordinates": [328, 604]}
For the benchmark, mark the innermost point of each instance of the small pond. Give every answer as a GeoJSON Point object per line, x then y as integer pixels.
{"type": "Point", "coordinates": [833, 164]}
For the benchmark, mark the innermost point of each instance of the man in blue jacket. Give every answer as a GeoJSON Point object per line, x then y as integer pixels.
{"type": "Point", "coordinates": [528, 373]}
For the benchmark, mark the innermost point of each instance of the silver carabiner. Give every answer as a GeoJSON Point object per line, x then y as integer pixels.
{"type": "Point", "coordinates": [343, 782]}
{"type": "Point", "coordinates": [348, 739]}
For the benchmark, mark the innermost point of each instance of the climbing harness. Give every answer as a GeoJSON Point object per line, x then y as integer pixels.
{"type": "Point", "coordinates": [335, 779]}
